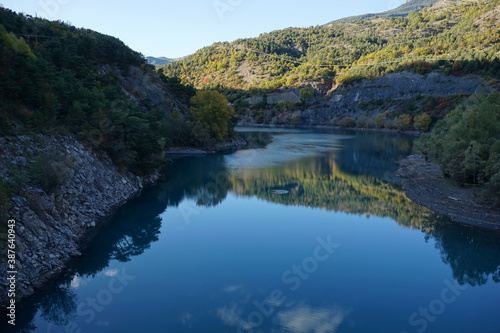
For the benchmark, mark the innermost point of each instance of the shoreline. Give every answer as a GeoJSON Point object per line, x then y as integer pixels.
{"type": "Point", "coordinates": [425, 185]}
{"type": "Point", "coordinates": [231, 144]}
{"type": "Point", "coordinates": [305, 127]}
{"type": "Point", "coordinates": [94, 192]}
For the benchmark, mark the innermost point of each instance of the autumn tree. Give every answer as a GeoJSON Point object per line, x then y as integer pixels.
{"type": "Point", "coordinates": [212, 113]}
{"type": "Point", "coordinates": [422, 122]}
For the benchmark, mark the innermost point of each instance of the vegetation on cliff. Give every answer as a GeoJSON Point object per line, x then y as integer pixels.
{"type": "Point", "coordinates": [467, 144]}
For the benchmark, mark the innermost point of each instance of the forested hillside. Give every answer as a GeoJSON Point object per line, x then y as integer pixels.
{"type": "Point", "coordinates": [60, 81]}
{"type": "Point", "coordinates": [56, 78]}
{"type": "Point", "coordinates": [453, 36]}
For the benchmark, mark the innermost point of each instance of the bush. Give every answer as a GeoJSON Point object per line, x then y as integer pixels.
{"type": "Point", "coordinates": [4, 125]}
{"type": "Point", "coordinates": [422, 122]}
{"type": "Point", "coordinates": [348, 78]}
{"type": "Point", "coordinates": [381, 119]}
{"type": "Point", "coordinates": [403, 122]}
{"type": "Point", "coordinates": [347, 122]}
{"type": "Point", "coordinates": [306, 93]}
{"type": "Point", "coordinates": [296, 119]}
{"type": "Point", "coordinates": [49, 171]}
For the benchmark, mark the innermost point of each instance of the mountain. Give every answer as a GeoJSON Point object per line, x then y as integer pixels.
{"type": "Point", "coordinates": [409, 6]}
{"type": "Point", "coordinates": [159, 61]}
{"type": "Point", "coordinates": [349, 73]}
{"type": "Point", "coordinates": [466, 31]}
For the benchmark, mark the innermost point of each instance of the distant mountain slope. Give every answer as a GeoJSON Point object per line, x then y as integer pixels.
{"type": "Point", "coordinates": [158, 61]}
{"type": "Point", "coordinates": [410, 6]}
{"type": "Point", "coordinates": [466, 31]}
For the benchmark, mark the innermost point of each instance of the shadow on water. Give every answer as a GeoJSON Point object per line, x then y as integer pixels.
{"type": "Point", "coordinates": [350, 175]}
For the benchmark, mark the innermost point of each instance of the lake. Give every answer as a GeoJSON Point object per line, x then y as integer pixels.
{"type": "Point", "coordinates": [303, 231]}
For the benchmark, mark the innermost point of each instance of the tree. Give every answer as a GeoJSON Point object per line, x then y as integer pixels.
{"type": "Point", "coordinates": [467, 143]}
{"type": "Point", "coordinates": [422, 122]}
{"type": "Point", "coordinates": [211, 110]}
{"type": "Point", "coordinates": [403, 122]}
{"type": "Point", "coordinates": [306, 93]}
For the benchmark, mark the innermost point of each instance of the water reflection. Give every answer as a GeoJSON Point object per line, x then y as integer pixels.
{"type": "Point", "coordinates": [304, 318]}
{"type": "Point", "coordinates": [343, 173]}
{"type": "Point", "coordinates": [291, 317]}
{"type": "Point", "coordinates": [473, 255]}
{"type": "Point", "coordinates": [138, 228]}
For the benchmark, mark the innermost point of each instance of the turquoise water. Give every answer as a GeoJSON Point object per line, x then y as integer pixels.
{"type": "Point", "coordinates": [301, 232]}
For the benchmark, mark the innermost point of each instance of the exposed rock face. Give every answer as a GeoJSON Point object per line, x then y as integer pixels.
{"type": "Point", "coordinates": [286, 95]}
{"type": "Point", "coordinates": [145, 88]}
{"type": "Point", "coordinates": [347, 101]}
{"type": "Point", "coordinates": [51, 228]}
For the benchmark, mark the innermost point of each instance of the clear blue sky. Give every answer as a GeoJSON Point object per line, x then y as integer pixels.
{"type": "Point", "coordinates": [177, 28]}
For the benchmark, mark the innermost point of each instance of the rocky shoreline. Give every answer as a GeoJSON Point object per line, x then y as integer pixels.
{"type": "Point", "coordinates": [425, 184]}
{"type": "Point", "coordinates": [51, 229]}
{"type": "Point", "coordinates": [227, 145]}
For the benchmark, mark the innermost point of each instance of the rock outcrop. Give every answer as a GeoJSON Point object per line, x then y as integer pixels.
{"type": "Point", "coordinates": [51, 229]}
{"type": "Point", "coordinates": [367, 98]}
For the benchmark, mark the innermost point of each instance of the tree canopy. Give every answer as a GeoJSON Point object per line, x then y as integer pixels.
{"type": "Point", "coordinates": [467, 143]}
{"type": "Point", "coordinates": [212, 114]}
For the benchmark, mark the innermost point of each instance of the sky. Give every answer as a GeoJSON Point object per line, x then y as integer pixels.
{"type": "Point", "coordinates": [175, 29]}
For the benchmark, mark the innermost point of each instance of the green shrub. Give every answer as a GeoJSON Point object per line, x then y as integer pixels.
{"type": "Point", "coordinates": [49, 171]}
{"type": "Point", "coordinates": [422, 122]}
{"type": "Point", "coordinates": [381, 120]}
{"type": "Point", "coordinates": [306, 93]}
{"type": "Point", "coordinates": [347, 122]}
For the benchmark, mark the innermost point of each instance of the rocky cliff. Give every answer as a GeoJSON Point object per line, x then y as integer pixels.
{"type": "Point", "coordinates": [397, 93]}
{"type": "Point", "coordinates": [51, 229]}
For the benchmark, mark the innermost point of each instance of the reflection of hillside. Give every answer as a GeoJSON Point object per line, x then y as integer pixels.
{"type": "Point", "coordinates": [345, 180]}
{"type": "Point", "coordinates": [373, 154]}
{"type": "Point", "coordinates": [319, 183]}
{"type": "Point", "coordinates": [473, 255]}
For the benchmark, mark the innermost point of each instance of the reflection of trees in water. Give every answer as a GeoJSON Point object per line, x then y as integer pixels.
{"type": "Point", "coordinates": [473, 254]}
{"type": "Point", "coordinates": [135, 227]}
{"type": "Point", "coordinates": [256, 139]}
{"type": "Point", "coordinates": [202, 179]}
{"type": "Point", "coordinates": [349, 181]}
{"type": "Point", "coordinates": [320, 183]}
{"type": "Point", "coordinates": [374, 155]}
{"type": "Point", "coordinates": [60, 307]}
